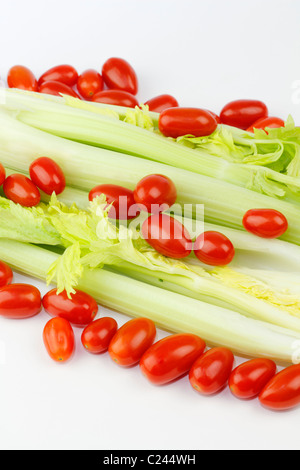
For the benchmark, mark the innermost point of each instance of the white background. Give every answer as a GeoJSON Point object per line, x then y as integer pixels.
{"type": "Point", "coordinates": [206, 54]}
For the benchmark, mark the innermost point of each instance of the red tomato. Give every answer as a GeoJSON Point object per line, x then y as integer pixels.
{"type": "Point", "coordinates": [80, 310]}
{"type": "Point", "coordinates": [262, 123]}
{"type": "Point", "coordinates": [283, 391]}
{"type": "Point", "coordinates": [155, 193]}
{"type": "Point", "coordinates": [265, 223]}
{"type": "Point", "coordinates": [47, 175]}
{"type": "Point", "coordinates": [59, 339]}
{"type": "Point", "coordinates": [6, 274]}
{"type": "Point", "coordinates": [124, 206]}
{"type": "Point", "coordinates": [243, 113]}
{"type": "Point", "coordinates": [21, 190]}
{"type": "Point", "coordinates": [217, 118]}
{"type": "Point", "coordinates": [211, 371]}
{"type": "Point", "coordinates": [175, 122]}
{"type": "Point", "coordinates": [116, 97]}
{"type": "Point", "coordinates": [62, 73]}
{"type": "Point", "coordinates": [214, 248]}
{"type": "Point", "coordinates": [89, 83]}
{"type": "Point", "coordinates": [21, 77]}
{"type": "Point", "coordinates": [98, 334]}
{"type": "Point", "coordinates": [167, 236]}
{"type": "Point", "coordinates": [56, 89]}
{"type": "Point", "coordinates": [131, 341]}
{"type": "Point", "coordinates": [2, 174]}
{"type": "Point", "coordinates": [248, 379]}
{"type": "Point", "coordinates": [20, 301]}
{"type": "Point", "coordinates": [171, 357]}
{"type": "Point", "coordinates": [118, 74]}
{"type": "Point", "coordinates": [162, 102]}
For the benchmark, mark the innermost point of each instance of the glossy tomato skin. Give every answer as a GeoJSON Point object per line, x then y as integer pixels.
{"type": "Point", "coordinates": [243, 113]}
{"type": "Point", "coordinates": [210, 373]}
{"type": "Point", "coordinates": [62, 73]}
{"type": "Point", "coordinates": [162, 102]}
{"type": "Point", "coordinates": [131, 341]}
{"type": "Point", "coordinates": [21, 190]}
{"type": "Point", "coordinates": [265, 223]}
{"type": "Point", "coordinates": [117, 98]}
{"type": "Point", "coordinates": [19, 301]}
{"type": "Point", "coordinates": [217, 118]}
{"type": "Point", "coordinates": [80, 310]}
{"type": "Point", "coordinates": [59, 340]}
{"type": "Point", "coordinates": [167, 236]}
{"type": "Point", "coordinates": [271, 121]}
{"type": "Point", "coordinates": [56, 89]}
{"type": "Point", "coordinates": [214, 248]}
{"type": "Point", "coordinates": [89, 83]}
{"type": "Point", "coordinates": [2, 174]}
{"type": "Point", "coordinates": [124, 206]}
{"type": "Point", "coordinates": [21, 77]}
{"type": "Point", "coordinates": [97, 335]}
{"type": "Point", "coordinates": [155, 193]}
{"type": "Point", "coordinates": [171, 358]}
{"type": "Point", "coordinates": [118, 74]}
{"type": "Point", "coordinates": [47, 175]}
{"type": "Point", "coordinates": [248, 379]}
{"type": "Point", "coordinates": [6, 274]}
{"type": "Point", "coordinates": [175, 122]}
{"type": "Point", "coordinates": [283, 391]}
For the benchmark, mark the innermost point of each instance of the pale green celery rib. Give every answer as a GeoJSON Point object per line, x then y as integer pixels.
{"type": "Point", "coordinates": [171, 311]}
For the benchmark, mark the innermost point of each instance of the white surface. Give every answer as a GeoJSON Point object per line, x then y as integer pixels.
{"type": "Point", "coordinates": [206, 54]}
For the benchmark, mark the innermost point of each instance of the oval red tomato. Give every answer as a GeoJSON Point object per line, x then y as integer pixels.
{"type": "Point", "coordinates": [6, 274]}
{"type": "Point", "coordinates": [248, 379]}
{"type": "Point", "coordinates": [214, 248]}
{"type": "Point", "coordinates": [118, 74]}
{"type": "Point", "coordinates": [171, 358]}
{"type": "Point", "coordinates": [97, 336]}
{"type": "Point", "coordinates": [124, 206]}
{"type": "Point", "coordinates": [162, 102]}
{"type": "Point", "coordinates": [59, 339]}
{"type": "Point", "coordinates": [20, 301]}
{"type": "Point", "coordinates": [21, 77]}
{"type": "Point", "coordinates": [21, 190]}
{"type": "Point", "coordinates": [131, 341]}
{"type": "Point", "coordinates": [61, 73]}
{"type": "Point", "coordinates": [155, 193]}
{"type": "Point", "coordinates": [210, 373]}
{"type": "Point", "coordinates": [80, 309]}
{"type": "Point", "coordinates": [57, 89]}
{"type": "Point", "coordinates": [167, 236]}
{"type": "Point", "coordinates": [176, 122]}
{"type": "Point", "coordinates": [265, 223]}
{"type": "Point", "coordinates": [117, 98]}
{"type": "Point", "coordinates": [47, 175]}
{"type": "Point", "coordinates": [2, 174]}
{"type": "Point", "coordinates": [272, 122]}
{"type": "Point", "coordinates": [243, 113]}
{"type": "Point", "coordinates": [89, 83]}
{"type": "Point", "coordinates": [283, 391]}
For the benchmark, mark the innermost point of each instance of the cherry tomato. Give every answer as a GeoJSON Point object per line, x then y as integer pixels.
{"type": "Point", "coordinates": [98, 334]}
{"type": "Point", "coordinates": [21, 190]}
{"type": "Point", "coordinates": [262, 123]}
{"type": "Point", "coordinates": [243, 113]}
{"type": "Point", "coordinates": [2, 174]}
{"type": "Point", "coordinates": [167, 236]}
{"type": "Point", "coordinates": [124, 206]}
{"type": "Point", "coordinates": [175, 122]}
{"type": "Point", "coordinates": [20, 301]}
{"type": "Point", "coordinates": [56, 89]}
{"type": "Point", "coordinates": [217, 118]}
{"type": "Point", "coordinates": [211, 371]}
{"type": "Point", "coordinates": [265, 223]}
{"type": "Point", "coordinates": [59, 340]}
{"type": "Point", "coordinates": [248, 379]}
{"type": "Point", "coordinates": [214, 248]}
{"type": "Point", "coordinates": [21, 77]}
{"type": "Point", "coordinates": [155, 193]}
{"type": "Point", "coordinates": [131, 341]}
{"type": "Point", "coordinates": [283, 391]}
{"type": "Point", "coordinates": [6, 274]}
{"type": "Point", "coordinates": [118, 74]}
{"type": "Point", "coordinates": [116, 97]}
{"type": "Point", "coordinates": [89, 83]}
{"type": "Point", "coordinates": [80, 310]}
{"type": "Point", "coordinates": [62, 73]}
{"type": "Point", "coordinates": [47, 175]}
{"type": "Point", "coordinates": [171, 358]}
{"type": "Point", "coordinates": [162, 102]}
